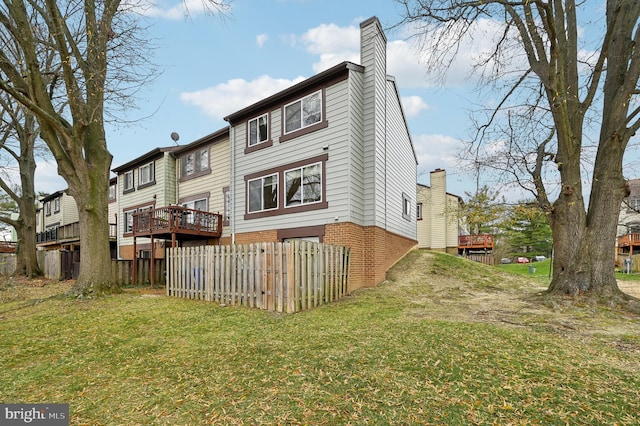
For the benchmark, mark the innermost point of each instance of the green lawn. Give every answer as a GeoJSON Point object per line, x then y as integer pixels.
{"type": "Point", "coordinates": [370, 359]}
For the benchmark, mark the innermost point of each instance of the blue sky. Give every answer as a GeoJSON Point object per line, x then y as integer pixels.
{"type": "Point", "coordinates": [215, 66]}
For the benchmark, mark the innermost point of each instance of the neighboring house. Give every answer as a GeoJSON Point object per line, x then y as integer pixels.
{"type": "Point", "coordinates": [329, 159]}
{"type": "Point", "coordinates": [57, 225]}
{"type": "Point", "coordinates": [143, 184]}
{"type": "Point", "coordinates": [629, 221]}
{"type": "Point", "coordinates": [438, 215]}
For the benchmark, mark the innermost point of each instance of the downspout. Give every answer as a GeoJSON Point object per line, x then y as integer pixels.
{"type": "Point", "coordinates": [232, 184]}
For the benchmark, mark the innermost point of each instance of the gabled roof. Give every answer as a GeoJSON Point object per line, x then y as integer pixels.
{"type": "Point", "coordinates": [52, 196]}
{"type": "Point", "coordinates": [154, 153]}
{"type": "Point", "coordinates": [279, 97]}
{"type": "Point", "coordinates": [210, 138]}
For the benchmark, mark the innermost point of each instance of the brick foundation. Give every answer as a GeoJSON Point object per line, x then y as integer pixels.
{"type": "Point", "coordinates": [373, 250]}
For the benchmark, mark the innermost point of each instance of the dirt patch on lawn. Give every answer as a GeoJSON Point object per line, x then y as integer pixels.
{"type": "Point", "coordinates": [16, 289]}
{"type": "Point", "coordinates": [478, 293]}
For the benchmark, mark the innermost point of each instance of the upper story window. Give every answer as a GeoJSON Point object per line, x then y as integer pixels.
{"type": "Point", "coordinates": [195, 163]}
{"type": "Point", "coordinates": [145, 174]}
{"type": "Point", "coordinates": [303, 112]}
{"type": "Point", "coordinates": [258, 130]}
{"type": "Point", "coordinates": [56, 205]}
{"type": "Point", "coordinates": [263, 193]}
{"type": "Point", "coordinates": [303, 185]}
{"type": "Point", "coordinates": [112, 192]}
{"type": "Point", "coordinates": [634, 204]}
{"type": "Point", "coordinates": [128, 181]}
{"type": "Point", "coordinates": [406, 209]}
{"type": "Point", "coordinates": [47, 208]}
{"type": "Point", "coordinates": [419, 211]}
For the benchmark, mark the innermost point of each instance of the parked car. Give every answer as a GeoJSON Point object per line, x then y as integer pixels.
{"type": "Point", "coordinates": [505, 260]}
{"type": "Point", "coordinates": [538, 258]}
{"type": "Point", "coordinates": [522, 260]}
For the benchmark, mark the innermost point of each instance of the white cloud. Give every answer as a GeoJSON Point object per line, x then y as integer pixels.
{"type": "Point", "coordinates": [437, 152]}
{"type": "Point", "coordinates": [261, 39]}
{"type": "Point", "coordinates": [226, 98]}
{"type": "Point", "coordinates": [413, 105]}
{"type": "Point", "coordinates": [333, 44]}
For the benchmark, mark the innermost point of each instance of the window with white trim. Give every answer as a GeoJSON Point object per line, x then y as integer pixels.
{"type": "Point", "coordinates": [406, 209]}
{"type": "Point", "coordinates": [128, 181]}
{"type": "Point", "coordinates": [128, 221]}
{"type": "Point", "coordinates": [56, 205]}
{"type": "Point", "coordinates": [145, 174]}
{"type": "Point", "coordinates": [195, 162]}
{"type": "Point", "coordinates": [259, 130]}
{"type": "Point", "coordinates": [303, 185]}
{"type": "Point", "coordinates": [112, 192]}
{"type": "Point", "coordinates": [303, 112]}
{"type": "Point", "coordinates": [263, 193]}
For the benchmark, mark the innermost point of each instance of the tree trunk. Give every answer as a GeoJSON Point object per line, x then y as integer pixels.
{"type": "Point", "coordinates": [26, 259]}
{"type": "Point", "coordinates": [95, 254]}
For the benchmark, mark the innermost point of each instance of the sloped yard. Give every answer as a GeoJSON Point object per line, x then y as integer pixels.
{"type": "Point", "coordinates": [443, 341]}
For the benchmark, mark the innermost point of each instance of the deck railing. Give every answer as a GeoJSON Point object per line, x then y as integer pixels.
{"type": "Point", "coordinates": [475, 241]}
{"type": "Point", "coordinates": [176, 219]}
{"type": "Point", "coordinates": [629, 240]}
{"type": "Point", "coordinates": [68, 232]}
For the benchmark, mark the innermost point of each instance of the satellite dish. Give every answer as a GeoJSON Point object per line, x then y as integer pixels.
{"type": "Point", "coordinates": [175, 136]}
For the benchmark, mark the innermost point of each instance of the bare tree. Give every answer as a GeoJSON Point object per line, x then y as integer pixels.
{"type": "Point", "coordinates": [18, 134]}
{"type": "Point", "coordinates": [544, 35]}
{"type": "Point", "coordinates": [84, 36]}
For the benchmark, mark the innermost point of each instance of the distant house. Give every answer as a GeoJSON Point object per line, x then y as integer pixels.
{"type": "Point", "coordinates": [329, 159]}
{"type": "Point", "coordinates": [57, 225]}
{"type": "Point", "coordinates": [438, 215]}
{"type": "Point", "coordinates": [628, 233]}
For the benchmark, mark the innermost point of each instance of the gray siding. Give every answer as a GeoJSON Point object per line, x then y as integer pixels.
{"type": "Point", "coordinates": [212, 183]}
{"type": "Point", "coordinates": [401, 173]}
{"type": "Point", "coordinates": [335, 137]}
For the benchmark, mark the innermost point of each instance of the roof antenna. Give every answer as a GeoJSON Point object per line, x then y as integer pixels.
{"type": "Point", "coordinates": [175, 136]}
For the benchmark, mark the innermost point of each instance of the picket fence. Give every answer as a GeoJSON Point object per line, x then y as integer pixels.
{"type": "Point", "coordinates": [283, 277]}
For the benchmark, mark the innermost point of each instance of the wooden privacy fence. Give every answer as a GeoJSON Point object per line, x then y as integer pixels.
{"type": "Point", "coordinates": [283, 277]}
{"type": "Point", "coordinates": [56, 265]}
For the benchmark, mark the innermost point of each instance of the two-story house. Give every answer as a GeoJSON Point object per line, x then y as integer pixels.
{"type": "Point", "coordinates": [329, 159]}
{"type": "Point", "coordinates": [57, 225]}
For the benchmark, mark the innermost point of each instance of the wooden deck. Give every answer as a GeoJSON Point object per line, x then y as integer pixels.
{"type": "Point", "coordinates": [629, 243]}
{"type": "Point", "coordinates": [177, 223]}
{"type": "Point", "coordinates": [475, 242]}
